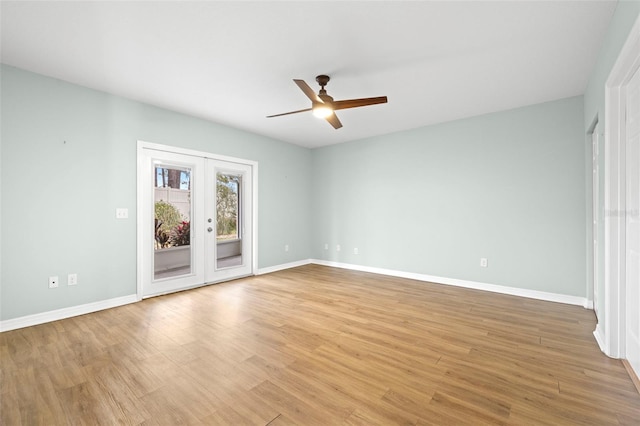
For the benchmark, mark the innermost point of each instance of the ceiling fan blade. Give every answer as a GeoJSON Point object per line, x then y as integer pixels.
{"type": "Point", "coordinates": [354, 103]}
{"type": "Point", "coordinates": [307, 90]}
{"type": "Point", "coordinates": [287, 113]}
{"type": "Point", "coordinates": [334, 121]}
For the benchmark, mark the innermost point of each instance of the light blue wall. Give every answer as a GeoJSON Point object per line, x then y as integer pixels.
{"type": "Point", "coordinates": [507, 186]}
{"type": "Point", "coordinates": [510, 186]}
{"type": "Point", "coordinates": [626, 14]}
{"type": "Point", "coordinates": [69, 159]}
{"type": "Point", "coordinates": [621, 23]}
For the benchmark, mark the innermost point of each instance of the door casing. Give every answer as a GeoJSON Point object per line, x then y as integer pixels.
{"type": "Point", "coordinates": [595, 208]}
{"type": "Point", "coordinates": [610, 330]}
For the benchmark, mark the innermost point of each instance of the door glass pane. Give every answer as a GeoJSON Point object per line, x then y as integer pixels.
{"type": "Point", "coordinates": [228, 220]}
{"type": "Point", "coordinates": [172, 219]}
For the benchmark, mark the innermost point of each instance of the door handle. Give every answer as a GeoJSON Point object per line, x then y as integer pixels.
{"type": "Point", "coordinates": [210, 229]}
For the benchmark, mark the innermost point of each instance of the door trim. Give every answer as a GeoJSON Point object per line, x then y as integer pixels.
{"type": "Point", "coordinates": [593, 238]}
{"type": "Point", "coordinates": [140, 176]}
{"type": "Point", "coordinates": [611, 334]}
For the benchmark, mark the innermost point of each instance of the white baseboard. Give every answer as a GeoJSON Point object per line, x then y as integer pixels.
{"type": "Point", "coordinates": [59, 314]}
{"type": "Point", "coordinates": [599, 335]}
{"type": "Point", "coordinates": [283, 266]}
{"type": "Point", "coordinates": [514, 291]}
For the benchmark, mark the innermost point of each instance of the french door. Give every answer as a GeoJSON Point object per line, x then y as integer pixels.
{"type": "Point", "coordinates": [228, 220]}
{"type": "Point", "coordinates": [195, 219]}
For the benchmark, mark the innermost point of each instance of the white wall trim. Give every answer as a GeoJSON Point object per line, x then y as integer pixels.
{"type": "Point", "coordinates": [598, 333]}
{"type": "Point", "coordinates": [513, 291]}
{"type": "Point", "coordinates": [593, 197]}
{"type": "Point", "coordinates": [613, 329]}
{"type": "Point", "coordinates": [59, 314]}
{"type": "Point", "coordinates": [194, 153]}
{"type": "Point", "coordinates": [276, 268]}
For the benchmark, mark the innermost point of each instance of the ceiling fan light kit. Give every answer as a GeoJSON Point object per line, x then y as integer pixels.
{"type": "Point", "coordinates": [322, 110]}
{"type": "Point", "coordinates": [323, 105]}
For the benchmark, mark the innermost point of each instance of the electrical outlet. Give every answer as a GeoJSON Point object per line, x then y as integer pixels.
{"type": "Point", "coordinates": [53, 282]}
{"type": "Point", "coordinates": [338, 247]}
{"type": "Point", "coordinates": [484, 262]}
{"type": "Point", "coordinates": [326, 246]}
{"type": "Point", "coordinates": [122, 213]}
{"type": "Point", "coordinates": [286, 247]}
{"type": "Point", "coordinates": [72, 279]}
{"type": "Point", "coordinates": [355, 250]}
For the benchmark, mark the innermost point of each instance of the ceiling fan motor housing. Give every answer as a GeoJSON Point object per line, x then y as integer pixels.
{"type": "Point", "coordinates": [325, 98]}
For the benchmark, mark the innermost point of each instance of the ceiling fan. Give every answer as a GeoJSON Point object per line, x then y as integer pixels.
{"type": "Point", "coordinates": [323, 105]}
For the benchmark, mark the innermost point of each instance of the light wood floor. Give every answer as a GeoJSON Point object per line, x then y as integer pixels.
{"type": "Point", "coordinates": [317, 346]}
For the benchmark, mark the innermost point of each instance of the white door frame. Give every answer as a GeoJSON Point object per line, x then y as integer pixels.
{"type": "Point", "coordinates": [611, 334]}
{"type": "Point", "coordinates": [140, 187]}
{"type": "Point", "coordinates": [596, 197]}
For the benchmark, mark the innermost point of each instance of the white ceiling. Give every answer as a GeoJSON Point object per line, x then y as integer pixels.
{"type": "Point", "coordinates": [233, 62]}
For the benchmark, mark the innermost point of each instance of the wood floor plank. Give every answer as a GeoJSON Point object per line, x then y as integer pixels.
{"type": "Point", "coordinates": [252, 407]}
{"type": "Point", "coordinates": [317, 346]}
{"type": "Point", "coordinates": [227, 416]}
{"type": "Point", "coordinates": [291, 405]}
